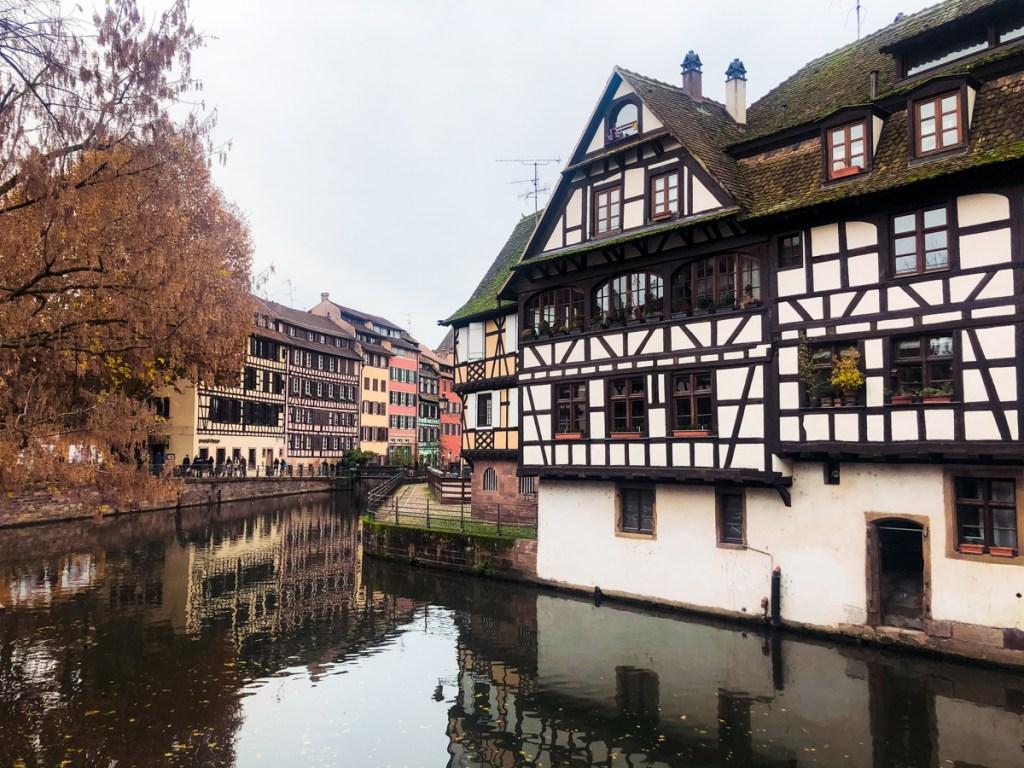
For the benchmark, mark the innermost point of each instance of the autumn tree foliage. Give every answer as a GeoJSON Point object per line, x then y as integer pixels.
{"type": "Point", "coordinates": [122, 268]}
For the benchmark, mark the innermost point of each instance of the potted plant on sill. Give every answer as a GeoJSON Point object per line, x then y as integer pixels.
{"type": "Point", "coordinates": [813, 383]}
{"type": "Point", "coordinates": [967, 548]}
{"type": "Point", "coordinates": [527, 334]}
{"type": "Point", "coordinates": [704, 305]}
{"type": "Point", "coordinates": [691, 430]}
{"type": "Point", "coordinates": [846, 376]}
{"type": "Point", "coordinates": [933, 395]}
{"type": "Point", "coordinates": [902, 396]}
{"type": "Point", "coordinates": [1001, 551]}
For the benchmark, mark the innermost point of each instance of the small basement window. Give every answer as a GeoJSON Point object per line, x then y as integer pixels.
{"type": "Point", "coordinates": [636, 510]}
{"type": "Point", "coordinates": [986, 515]}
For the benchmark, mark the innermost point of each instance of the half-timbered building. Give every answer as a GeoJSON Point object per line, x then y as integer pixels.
{"type": "Point", "coordinates": [486, 342]}
{"type": "Point", "coordinates": [324, 365]}
{"type": "Point", "coordinates": [788, 336]}
{"type": "Point", "coordinates": [244, 420]}
{"type": "Point", "coordinates": [373, 334]}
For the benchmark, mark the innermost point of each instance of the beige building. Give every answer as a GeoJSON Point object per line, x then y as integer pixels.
{"type": "Point", "coordinates": [244, 421]}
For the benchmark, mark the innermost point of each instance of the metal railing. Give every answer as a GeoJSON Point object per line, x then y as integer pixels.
{"type": "Point", "coordinates": [446, 517]}
{"type": "Point", "coordinates": [229, 470]}
{"type": "Point", "coordinates": [379, 495]}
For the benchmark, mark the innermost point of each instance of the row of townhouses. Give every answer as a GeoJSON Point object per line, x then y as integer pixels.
{"type": "Point", "coordinates": [314, 385]}
{"type": "Point", "coordinates": [778, 337]}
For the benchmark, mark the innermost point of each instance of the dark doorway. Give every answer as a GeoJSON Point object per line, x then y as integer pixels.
{"type": "Point", "coordinates": [899, 574]}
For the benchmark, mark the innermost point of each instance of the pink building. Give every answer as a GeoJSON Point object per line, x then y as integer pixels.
{"type": "Point", "coordinates": [403, 388]}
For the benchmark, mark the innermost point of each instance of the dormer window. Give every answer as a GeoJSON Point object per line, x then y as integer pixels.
{"type": "Point", "coordinates": [939, 123]}
{"type": "Point", "coordinates": [625, 122]}
{"type": "Point", "coordinates": [847, 150]}
{"type": "Point", "coordinates": [936, 56]}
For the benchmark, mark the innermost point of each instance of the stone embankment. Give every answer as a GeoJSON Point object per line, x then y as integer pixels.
{"type": "Point", "coordinates": [50, 506]}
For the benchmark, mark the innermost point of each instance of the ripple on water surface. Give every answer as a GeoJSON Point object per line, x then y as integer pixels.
{"type": "Point", "coordinates": [258, 635]}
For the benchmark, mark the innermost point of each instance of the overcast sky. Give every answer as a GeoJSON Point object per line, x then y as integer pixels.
{"type": "Point", "coordinates": [364, 135]}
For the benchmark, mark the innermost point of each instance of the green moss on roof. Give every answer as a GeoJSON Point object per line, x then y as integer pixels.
{"type": "Point", "coordinates": [485, 297]}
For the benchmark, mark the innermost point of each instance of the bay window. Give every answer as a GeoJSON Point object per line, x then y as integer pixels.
{"type": "Point", "coordinates": [630, 297]}
{"type": "Point", "coordinates": [725, 281]}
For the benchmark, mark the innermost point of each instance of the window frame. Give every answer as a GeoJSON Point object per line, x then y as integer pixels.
{"type": "Point", "coordinates": [563, 309]}
{"type": "Point", "coordinates": [955, 547]}
{"type": "Point", "coordinates": [923, 360]}
{"type": "Point", "coordinates": [482, 397]}
{"type": "Point", "coordinates": [686, 274]}
{"type": "Point", "coordinates": [628, 398]}
{"type": "Point", "coordinates": [935, 97]}
{"type": "Point", "coordinates": [615, 188]}
{"type": "Point", "coordinates": [921, 233]}
{"type": "Point", "coordinates": [781, 251]}
{"type": "Point", "coordinates": [489, 481]}
{"type": "Point", "coordinates": [655, 197]}
{"type": "Point", "coordinates": [610, 135]}
{"type": "Point", "coordinates": [636, 284]}
{"type": "Point", "coordinates": [721, 524]}
{"type": "Point", "coordinates": [692, 396]}
{"type": "Point", "coordinates": [577, 397]}
{"type": "Point", "coordinates": [847, 170]}
{"type": "Point", "coordinates": [624, 490]}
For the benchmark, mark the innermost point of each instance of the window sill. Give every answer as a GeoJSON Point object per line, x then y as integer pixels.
{"type": "Point", "coordinates": [636, 535]}
{"type": "Point", "coordinates": [731, 545]}
{"type": "Point", "coordinates": [625, 436]}
{"type": "Point", "coordinates": [568, 436]}
{"type": "Point", "coordinates": [692, 433]}
{"type": "Point", "coordinates": [939, 154]}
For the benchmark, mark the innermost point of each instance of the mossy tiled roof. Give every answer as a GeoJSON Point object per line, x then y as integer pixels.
{"type": "Point", "coordinates": [485, 297]}
{"type": "Point", "coordinates": [842, 77]}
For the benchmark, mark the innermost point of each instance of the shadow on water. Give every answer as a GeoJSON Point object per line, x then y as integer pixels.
{"type": "Point", "coordinates": [154, 640]}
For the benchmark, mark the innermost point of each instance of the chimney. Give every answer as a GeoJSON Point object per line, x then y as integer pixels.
{"type": "Point", "coordinates": [692, 75]}
{"type": "Point", "coordinates": [736, 91]}
{"type": "Point", "coordinates": [325, 296]}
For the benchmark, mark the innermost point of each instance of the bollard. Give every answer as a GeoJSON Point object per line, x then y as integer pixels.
{"type": "Point", "coordinates": [428, 511]}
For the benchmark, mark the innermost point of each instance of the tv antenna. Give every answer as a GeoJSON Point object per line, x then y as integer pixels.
{"type": "Point", "coordinates": [859, 8]}
{"type": "Point", "coordinates": [537, 163]}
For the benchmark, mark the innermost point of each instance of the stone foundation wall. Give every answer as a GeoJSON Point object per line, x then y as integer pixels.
{"type": "Point", "coordinates": [506, 500]}
{"type": "Point", "coordinates": [44, 506]}
{"type": "Point", "coordinates": [470, 553]}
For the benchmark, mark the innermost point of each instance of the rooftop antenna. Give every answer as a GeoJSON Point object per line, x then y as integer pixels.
{"type": "Point", "coordinates": [291, 292]}
{"type": "Point", "coordinates": [858, 19]}
{"type": "Point", "coordinates": [537, 163]}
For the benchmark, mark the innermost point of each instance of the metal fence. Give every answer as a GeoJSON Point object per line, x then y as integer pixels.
{"type": "Point", "coordinates": [447, 517]}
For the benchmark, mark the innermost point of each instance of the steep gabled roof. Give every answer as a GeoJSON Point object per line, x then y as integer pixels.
{"type": "Point", "coordinates": [842, 77]}
{"type": "Point", "coordinates": [485, 297]}
{"type": "Point", "coordinates": [703, 127]}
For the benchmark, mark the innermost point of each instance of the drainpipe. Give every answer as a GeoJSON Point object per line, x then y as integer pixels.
{"type": "Point", "coordinates": [776, 596]}
{"type": "Point", "coordinates": [774, 604]}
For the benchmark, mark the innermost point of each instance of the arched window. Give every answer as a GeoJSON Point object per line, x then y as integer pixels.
{"type": "Point", "coordinates": [490, 479]}
{"type": "Point", "coordinates": [626, 122]}
{"type": "Point", "coordinates": [726, 281]}
{"type": "Point", "coordinates": [635, 296]}
{"type": "Point", "coordinates": [556, 311]}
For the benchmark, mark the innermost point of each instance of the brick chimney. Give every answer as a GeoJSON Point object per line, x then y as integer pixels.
{"type": "Point", "coordinates": [692, 75]}
{"type": "Point", "coordinates": [736, 91]}
{"type": "Point", "coordinates": [325, 296]}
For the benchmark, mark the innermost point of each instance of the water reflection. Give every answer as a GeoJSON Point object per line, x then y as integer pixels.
{"type": "Point", "coordinates": [257, 636]}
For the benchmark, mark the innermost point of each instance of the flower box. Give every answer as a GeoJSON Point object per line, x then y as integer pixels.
{"type": "Point", "coordinates": [842, 173]}
{"type": "Point", "coordinates": [901, 399]}
{"type": "Point", "coordinates": [1001, 551]}
{"type": "Point", "coordinates": [625, 435]}
{"type": "Point", "coordinates": [568, 436]}
{"type": "Point", "coordinates": [691, 433]}
{"type": "Point", "coordinates": [933, 399]}
{"type": "Point", "coordinates": [972, 549]}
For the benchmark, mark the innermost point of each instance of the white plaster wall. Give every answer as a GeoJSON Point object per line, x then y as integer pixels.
{"type": "Point", "coordinates": [819, 543]}
{"type": "Point", "coordinates": [703, 199]}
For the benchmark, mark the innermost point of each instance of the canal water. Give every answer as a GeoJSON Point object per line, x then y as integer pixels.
{"type": "Point", "coordinates": [257, 635]}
